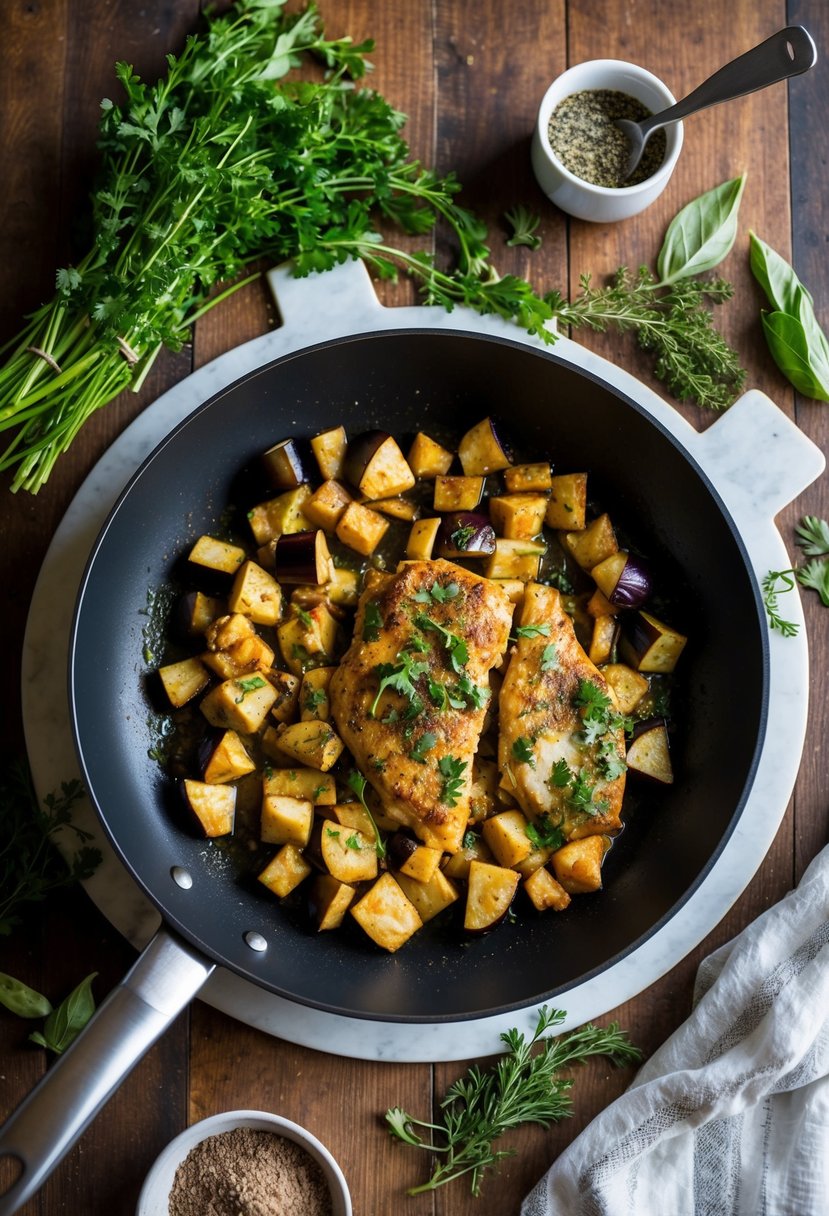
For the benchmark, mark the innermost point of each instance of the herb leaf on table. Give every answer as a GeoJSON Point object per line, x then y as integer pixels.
{"type": "Point", "coordinates": [812, 535]}
{"type": "Point", "coordinates": [523, 1086]}
{"type": "Point", "coordinates": [795, 340]}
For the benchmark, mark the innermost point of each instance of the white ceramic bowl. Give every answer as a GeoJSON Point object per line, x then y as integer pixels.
{"type": "Point", "coordinates": [572, 194]}
{"type": "Point", "coordinates": [153, 1200]}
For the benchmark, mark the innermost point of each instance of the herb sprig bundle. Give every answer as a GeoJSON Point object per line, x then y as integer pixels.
{"type": "Point", "coordinates": [523, 1086]}
{"type": "Point", "coordinates": [812, 535]}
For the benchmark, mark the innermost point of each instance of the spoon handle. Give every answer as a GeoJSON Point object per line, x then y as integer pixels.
{"type": "Point", "coordinates": [787, 53]}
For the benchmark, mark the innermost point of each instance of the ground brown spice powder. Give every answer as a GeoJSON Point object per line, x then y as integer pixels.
{"type": "Point", "coordinates": [249, 1172]}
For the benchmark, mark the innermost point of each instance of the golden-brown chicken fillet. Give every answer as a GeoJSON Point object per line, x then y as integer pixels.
{"type": "Point", "coordinates": [410, 695]}
{"type": "Point", "coordinates": [561, 746]}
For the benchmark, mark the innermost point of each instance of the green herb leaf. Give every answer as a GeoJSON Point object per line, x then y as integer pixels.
{"type": "Point", "coordinates": [425, 744]}
{"type": "Point", "coordinates": [775, 583]}
{"type": "Point", "coordinates": [65, 1023]}
{"type": "Point", "coordinates": [774, 274]}
{"type": "Point", "coordinates": [815, 574]}
{"type": "Point", "coordinates": [523, 224]}
{"type": "Point", "coordinates": [461, 537]}
{"type": "Point", "coordinates": [357, 784]}
{"type": "Point", "coordinates": [248, 684]}
{"type": "Point", "coordinates": [523, 1086]}
{"type": "Point", "coordinates": [701, 234]}
{"type": "Point", "coordinates": [532, 631]}
{"type": "Point", "coordinates": [813, 536]}
{"type": "Point", "coordinates": [549, 658]}
{"type": "Point", "coordinates": [451, 770]}
{"type": "Point", "coordinates": [440, 594]}
{"type": "Point", "coordinates": [352, 842]}
{"type": "Point", "coordinates": [802, 364]}
{"type": "Point", "coordinates": [458, 652]}
{"type": "Point", "coordinates": [542, 834]}
{"type": "Point", "coordinates": [372, 622]}
{"type": "Point", "coordinates": [400, 677]}
{"type": "Point", "coordinates": [560, 775]}
{"type": "Point", "coordinates": [19, 998]}
{"type": "Point", "coordinates": [522, 750]}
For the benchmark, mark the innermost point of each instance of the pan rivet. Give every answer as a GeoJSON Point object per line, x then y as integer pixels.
{"type": "Point", "coordinates": [182, 877]}
{"type": "Point", "coordinates": [255, 940]}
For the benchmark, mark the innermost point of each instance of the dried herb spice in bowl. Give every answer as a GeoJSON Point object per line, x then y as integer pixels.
{"type": "Point", "coordinates": [584, 136]}
{"type": "Point", "coordinates": [578, 155]}
{"type": "Point", "coordinates": [245, 1163]}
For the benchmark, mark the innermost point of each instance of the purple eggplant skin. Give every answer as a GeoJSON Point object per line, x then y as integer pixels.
{"type": "Point", "coordinates": [465, 534]}
{"type": "Point", "coordinates": [400, 846]}
{"type": "Point", "coordinates": [285, 466]}
{"type": "Point", "coordinates": [634, 586]}
{"type": "Point", "coordinates": [658, 767]}
{"type": "Point", "coordinates": [359, 454]}
{"type": "Point", "coordinates": [302, 557]}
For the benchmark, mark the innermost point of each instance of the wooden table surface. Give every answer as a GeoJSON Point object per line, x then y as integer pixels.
{"type": "Point", "coordinates": [470, 74]}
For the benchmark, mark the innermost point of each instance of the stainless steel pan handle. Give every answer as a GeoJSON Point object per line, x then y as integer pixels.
{"type": "Point", "coordinates": [44, 1127]}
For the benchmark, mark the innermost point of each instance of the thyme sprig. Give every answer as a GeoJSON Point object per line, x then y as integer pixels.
{"type": "Point", "coordinates": [523, 1086]}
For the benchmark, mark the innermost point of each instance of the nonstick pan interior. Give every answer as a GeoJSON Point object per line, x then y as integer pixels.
{"type": "Point", "coordinates": [406, 381]}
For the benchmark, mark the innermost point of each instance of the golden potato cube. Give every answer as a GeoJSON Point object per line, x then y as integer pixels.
{"type": "Point", "coordinates": [354, 815]}
{"type": "Point", "coordinates": [285, 820]}
{"type": "Point", "coordinates": [313, 744]}
{"type": "Point", "coordinates": [285, 871]}
{"type": "Point", "coordinates": [600, 605]}
{"type": "Point", "coordinates": [326, 505]}
{"type": "Point", "coordinates": [518, 516]}
{"type": "Point", "coordinates": [228, 761]}
{"type": "Point", "coordinates": [329, 900]}
{"type": "Point", "coordinates": [313, 698]}
{"type": "Point", "coordinates": [347, 853]}
{"type": "Point", "coordinates": [422, 537]}
{"type": "Point", "coordinates": [457, 493]}
{"type": "Point", "coordinates": [227, 630]}
{"type": "Point", "coordinates": [199, 611]}
{"type": "Point", "coordinates": [396, 508]}
{"type": "Point", "coordinates": [628, 685]}
{"type": "Point", "coordinates": [386, 914]}
{"type": "Point", "coordinates": [506, 835]}
{"type": "Point", "coordinates": [278, 516]}
{"type": "Point", "coordinates": [308, 784]}
{"type": "Point", "coordinates": [480, 450]}
{"type": "Point", "coordinates": [239, 704]}
{"type": "Point", "coordinates": [545, 891]}
{"type": "Point", "coordinates": [287, 687]}
{"type": "Point", "coordinates": [515, 559]}
{"type": "Point", "coordinates": [528, 478]}
{"type": "Point", "coordinates": [578, 864]}
{"type": "Point", "coordinates": [184, 680]}
{"type": "Point", "coordinates": [483, 796]}
{"type": "Point", "coordinates": [329, 448]}
{"type": "Point", "coordinates": [603, 639]}
{"type": "Point", "coordinates": [361, 528]}
{"type": "Point", "coordinates": [429, 898]}
{"type": "Point", "coordinates": [473, 848]}
{"type": "Point", "coordinates": [592, 544]}
{"type": "Point", "coordinates": [421, 863]}
{"type": "Point", "coordinates": [249, 654]}
{"type": "Point", "coordinates": [489, 895]}
{"type": "Point", "coordinates": [256, 595]}
{"type": "Point", "coordinates": [428, 459]}
{"type": "Point", "coordinates": [213, 805]}
{"type": "Point", "coordinates": [343, 587]}
{"type": "Point", "coordinates": [216, 555]}
{"type": "Point", "coordinates": [567, 505]}
{"type": "Point", "coordinates": [309, 634]}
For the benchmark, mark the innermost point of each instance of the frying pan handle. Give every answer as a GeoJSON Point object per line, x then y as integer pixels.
{"type": "Point", "coordinates": [55, 1114]}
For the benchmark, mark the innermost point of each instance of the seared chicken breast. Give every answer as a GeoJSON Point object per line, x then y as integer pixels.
{"type": "Point", "coordinates": [410, 695]}
{"type": "Point", "coordinates": [561, 743]}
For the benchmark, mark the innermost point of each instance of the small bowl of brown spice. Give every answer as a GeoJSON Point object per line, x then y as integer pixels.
{"type": "Point", "coordinates": [245, 1163]}
{"type": "Point", "coordinates": [579, 155]}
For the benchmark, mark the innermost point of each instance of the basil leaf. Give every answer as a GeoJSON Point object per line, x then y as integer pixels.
{"type": "Point", "coordinates": [65, 1023]}
{"type": "Point", "coordinates": [702, 233]}
{"type": "Point", "coordinates": [775, 276]}
{"type": "Point", "coordinates": [803, 366]}
{"type": "Point", "coordinates": [21, 999]}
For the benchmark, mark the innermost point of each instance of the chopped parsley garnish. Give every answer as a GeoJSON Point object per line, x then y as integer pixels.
{"type": "Point", "coordinates": [611, 765]}
{"type": "Point", "coordinates": [469, 840]}
{"type": "Point", "coordinates": [372, 622]}
{"type": "Point", "coordinates": [357, 784]}
{"type": "Point", "coordinates": [305, 617]}
{"type": "Point", "coordinates": [314, 698]}
{"type": "Point", "coordinates": [318, 792]}
{"type": "Point", "coordinates": [561, 775]}
{"type": "Point", "coordinates": [440, 594]}
{"type": "Point", "coordinates": [353, 842]}
{"type": "Point", "coordinates": [400, 677]}
{"type": "Point", "coordinates": [549, 658]}
{"type": "Point", "coordinates": [544, 835]}
{"type": "Point", "coordinates": [522, 750]}
{"type": "Point", "coordinates": [581, 792]}
{"type": "Point", "coordinates": [462, 536]}
{"type": "Point", "coordinates": [458, 653]}
{"type": "Point", "coordinates": [249, 684]}
{"type": "Point", "coordinates": [599, 716]}
{"type": "Point", "coordinates": [424, 744]}
{"type": "Point", "coordinates": [451, 770]}
{"type": "Point", "coordinates": [532, 631]}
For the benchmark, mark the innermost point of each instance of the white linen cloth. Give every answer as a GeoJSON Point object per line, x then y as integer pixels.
{"type": "Point", "coordinates": [730, 1117]}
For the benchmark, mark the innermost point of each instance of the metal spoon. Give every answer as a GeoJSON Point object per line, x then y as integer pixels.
{"type": "Point", "coordinates": [787, 53]}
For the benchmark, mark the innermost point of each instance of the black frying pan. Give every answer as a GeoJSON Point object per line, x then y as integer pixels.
{"type": "Point", "coordinates": [404, 381]}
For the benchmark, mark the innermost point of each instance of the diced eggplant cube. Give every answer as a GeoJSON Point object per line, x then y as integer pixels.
{"type": "Point", "coordinates": [313, 744]}
{"type": "Point", "coordinates": [422, 537]}
{"type": "Point", "coordinates": [329, 447]}
{"type": "Point", "coordinates": [396, 508]}
{"type": "Point", "coordinates": [343, 587]}
{"type": "Point", "coordinates": [361, 529]}
{"type": "Point", "coordinates": [592, 544]}
{"type": "Point", "coordinates": [506, 835]}
{"type": "Point", "coordinates": [214, 806]}
{"type": "Point", "coordinates": [375, 465]}
{"type": "Point", "coordinates": [285, 820]}
{"type": "Point", "coordinates": [651, 645]}
{"type": "Point", "coordinates": [489, 894]}
{"type": "Point", "coordinates": [516, 559]}
{"type": "Point", "coordinates": [279, 516]}
{"type": "Point", "coordinates": [429, 898]}
{"type": "Point", "coordinates": [545, 891]}
{"type": "Point", "coordinates": [474, 848]}
{"type": "Point", "coordinates": [287, 687]}
{"type": "Point", "coordinates": [328, 901]}
{"type": "Point", "coordinates": [216, 554]}
{"type": "Point", "coordinates": [303, 557]}
{"type": "Point", "coordinates": [224, 758]}
{"type": "Point", "coordinates": [649, 754]}
{"type": "Point", "coordinates": [183, 680]}
{"type": "Point", "coordinates": [567, 505]}
{"type": "Point", "coordinates": [628, 685]}
{"type": "Point", "coordinates": [347, 854]}
{"type": "Point", "coordinates": [326, 505]}
{"type": "Point", "coordinates": [465, 534]}
{"type": "Point", "coordinates": [386, 914]}
{"type": "Point", "coordinates": [256, 595]}
{"type": "Point", "coordinates": [284, 465]}
{"type": "Point", "coordinates": [428, 459]}
{"type": "Point", "coordinates": [457, 493]}
{"type": "Point", "coordinates": [353, 815]}
{"type": "Point", "coordinates": [285, 871]}
{"type": "Point", "coordinates": [197, 612]}
{"type": "Point", "coordinates": [481, 451]}
{"type": "Point", "coordinates": [603, 640]}
{"type": "Point", "coordinates": [313, 697]}
{"type": "Point", "coordinates": [308, 784]}
{"type": "Point", "coordinates": [518, 516]}
{"type": "Point", "coordinates": [241, 705]}
{"type": "Point", "coordinates": [528, 479]}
